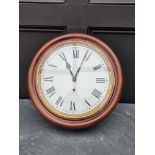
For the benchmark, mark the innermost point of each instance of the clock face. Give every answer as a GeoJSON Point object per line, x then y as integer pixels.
{"type": "Point", "coordinates": [75, 79]}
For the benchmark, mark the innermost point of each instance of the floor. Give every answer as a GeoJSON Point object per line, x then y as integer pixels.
{"type": "Point", "coordinates": [113, 136]}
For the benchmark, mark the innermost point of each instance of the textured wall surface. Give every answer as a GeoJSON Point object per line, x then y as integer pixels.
{"type": "Point", "coordinates": [113, 136]}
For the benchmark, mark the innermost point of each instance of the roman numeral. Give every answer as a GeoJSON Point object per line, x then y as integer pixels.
{"type": "Point", "coordinates": [87, 102]}
{"type": "Point", "coordinates": [75, 53]}
{"type": "Point", "coordinates": [96, 93]}
{"type": "Point", "coordinates": [62, 56]}
{"type": "Point", "coordinates": [97, 67]}
{"type": "Point", "coordinates": [50, 91]}
{"type": "Point", "coordinates": [50, 79]}
{"type": "Point", "coordinates": [59, 100]}
{"type": "Point", "coordinates": [88, 57]}
{"type": "Point", "coordinates": [72, 105]}
{"type": "Point", "coordinates": [100, 80]}
{"type": "Point", "coordinates": [52, 65]}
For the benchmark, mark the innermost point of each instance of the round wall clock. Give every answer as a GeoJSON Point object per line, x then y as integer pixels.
{"type": "Point", "coordinates": [75, 80]}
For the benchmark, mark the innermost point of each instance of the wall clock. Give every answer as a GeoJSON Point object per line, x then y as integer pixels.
{"type": "Point", "coordinates": [75, 80]}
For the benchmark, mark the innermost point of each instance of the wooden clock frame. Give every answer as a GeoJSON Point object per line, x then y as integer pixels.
{"type": "Point", "coordinates": [84, 123]}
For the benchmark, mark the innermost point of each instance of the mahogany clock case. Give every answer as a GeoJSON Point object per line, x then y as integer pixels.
{"type": "Point", "coordinates": [88, 121]}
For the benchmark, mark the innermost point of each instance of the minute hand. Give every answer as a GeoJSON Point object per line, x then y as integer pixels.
{"type": "Point", "coordinates": [80, 66]}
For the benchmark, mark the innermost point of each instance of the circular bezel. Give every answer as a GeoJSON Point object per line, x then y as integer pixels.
{"type": "Point", "coordinates": [104, 108]}
{"type": "Point", "coordinates": [105, 100]}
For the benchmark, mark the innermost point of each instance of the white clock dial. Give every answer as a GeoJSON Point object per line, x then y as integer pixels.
{"type": "Point", "coordinates": [74, 79]}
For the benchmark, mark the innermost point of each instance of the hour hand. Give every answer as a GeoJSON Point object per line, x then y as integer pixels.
{"type": "Point", "coordinates": [68, 66]}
